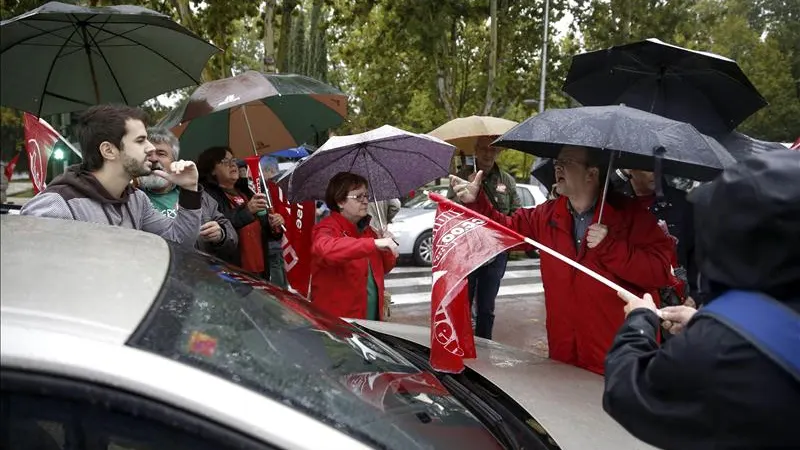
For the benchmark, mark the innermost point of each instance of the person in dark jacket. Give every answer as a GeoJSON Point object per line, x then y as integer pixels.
{"type": "Point", "coordinates": [219, 176]}
{"type": "Point", "coordinates": [709, 386]}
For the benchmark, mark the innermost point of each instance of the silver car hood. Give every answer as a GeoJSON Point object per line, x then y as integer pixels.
{"type": "Point", "coordinates": [565, 400]}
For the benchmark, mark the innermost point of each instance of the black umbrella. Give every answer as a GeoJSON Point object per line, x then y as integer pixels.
{"type": "Point", "coordinates": [742, 146]}
{"type": "Point", "coordinates": [62, 58]}
{"type": "Point", "coordinates": [544, 171]}
{"type": "Point", "coordinates": [709, 91]}
{"type": "Point", "coordinates": [640, 138]}
{"type": "Point", "coordinates": [739, 145]}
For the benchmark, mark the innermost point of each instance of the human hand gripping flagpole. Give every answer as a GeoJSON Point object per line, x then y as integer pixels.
{"type": "Point", "coordinates": [616, 287]}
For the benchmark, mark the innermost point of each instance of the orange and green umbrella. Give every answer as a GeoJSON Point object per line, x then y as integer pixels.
{"type": "Point", "coordinates": [256, 113]}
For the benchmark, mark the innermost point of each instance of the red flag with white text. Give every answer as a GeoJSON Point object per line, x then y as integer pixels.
{"type": "Point", "coordinates": [463, 240]}
{"type": "Point", "coordinates": [299, 221]}
{"type": "Point", "coordinates": [40, 142]}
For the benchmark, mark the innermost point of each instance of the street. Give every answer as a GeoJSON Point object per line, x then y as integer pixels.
{"type": "Point", "coordinates": [519, 313]}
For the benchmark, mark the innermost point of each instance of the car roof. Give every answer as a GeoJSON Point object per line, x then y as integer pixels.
{"type": "Point", "coordinates": [51, 276]}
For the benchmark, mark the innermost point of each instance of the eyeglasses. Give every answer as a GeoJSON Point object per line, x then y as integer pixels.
{"type": "Point", "coordinates": [228, 162]}
{"type": "Point", "coordinates": [360, 197]}
{"type": "Point", "coordinates": [564, 162]}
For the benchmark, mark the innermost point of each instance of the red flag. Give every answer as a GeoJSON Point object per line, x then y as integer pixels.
{"type": "Point", "coordinates": [40, 141]}
{"type": "Point", "coordinates": [299, 221]}
{"type": "Point", "coordinates": [11, 165]}
{"type": "Point", "coordinates": [253, 165]}
{"type": "Point", "coordinates": [463, 240]}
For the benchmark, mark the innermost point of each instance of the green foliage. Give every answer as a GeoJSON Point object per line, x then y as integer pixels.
{"type": "Point", "coordinates": [416, 64]}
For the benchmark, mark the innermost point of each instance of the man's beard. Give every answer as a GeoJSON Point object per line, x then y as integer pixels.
{"type": "Point", "coordinates": [135, 168]}
{"type": "Point", "coordinates": [153, 183]}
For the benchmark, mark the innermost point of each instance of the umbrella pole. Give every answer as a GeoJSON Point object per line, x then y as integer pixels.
{"type": "Point", "coordinates": [372, 189]}
{"type": "Point", "coordinates": [91, 64]}
{"type": "Point", "coordinates": [255, 152]}
{"type": "Point", "coordinates": [260, 171]}
{"type": "Point", "coordinates": [605, 188]}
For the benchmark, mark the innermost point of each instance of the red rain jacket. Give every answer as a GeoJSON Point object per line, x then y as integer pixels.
{"type": "Point", "coordinates": [584, 315]}
{"type": "Point", "coordinates": [339, 255]}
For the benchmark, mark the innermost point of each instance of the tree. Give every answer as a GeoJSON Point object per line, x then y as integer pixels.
{"type": "Point", "coordinates": [755, 33]}
{"type": "Point", "coordinates": [297, 45]}
{"type": "Point", "coordinates": [288, 30]}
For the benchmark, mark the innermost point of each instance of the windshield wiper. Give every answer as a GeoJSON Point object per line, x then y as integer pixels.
{"type": "Point", "coordinates": [500, 413]}
{"type": "Point", "coordinates": [474, 403]}
{"type": "Point", "coordinates": [496, 423]}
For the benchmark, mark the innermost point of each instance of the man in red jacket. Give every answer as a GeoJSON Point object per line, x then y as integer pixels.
{"type": "Point", "coordinates": [629, 248]}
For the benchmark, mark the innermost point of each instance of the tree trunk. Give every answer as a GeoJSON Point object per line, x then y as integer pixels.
{"type": "Point", "coordinates": [313, 38]}
{"type": "Point", "coordinates": [185, 14]}
{"type": "Point", "coordinates": [286, 36]}
{"type": "Point", "coordinates": [186, 18]}
{"type": "Point", "coordinates": [321, 62]}
{"type": "Point", "coordinates": [487, 106]}
{"type": "Point", "coordinates": [269, 37]}
{"type": "Point", "coordinates": [297, 53]}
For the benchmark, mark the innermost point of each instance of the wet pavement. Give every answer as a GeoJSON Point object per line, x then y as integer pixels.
{"type": "Point", "coordinates": [519, 321]}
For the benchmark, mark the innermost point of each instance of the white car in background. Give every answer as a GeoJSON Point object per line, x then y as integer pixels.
{"type": "Point", "coordinates": [413, 225]}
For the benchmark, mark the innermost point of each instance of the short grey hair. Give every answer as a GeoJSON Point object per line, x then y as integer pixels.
{"type": "Point", "coordinates": [161, 135]}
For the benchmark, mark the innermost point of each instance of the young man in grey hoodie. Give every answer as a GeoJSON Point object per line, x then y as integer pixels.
{"type": "Point", "coordinates": [114, 142]}
{"type": "Point", "coordinates": [217, 235]}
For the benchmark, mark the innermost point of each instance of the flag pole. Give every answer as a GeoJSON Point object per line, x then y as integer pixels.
{"type": "Point", "coordinates": [559, 256]}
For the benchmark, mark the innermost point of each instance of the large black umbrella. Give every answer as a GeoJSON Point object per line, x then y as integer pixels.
{"type": "Point", "coordinates": [709, 91]}
{"type": "Point", "coordinates": [638, 137]}
{"type": "Point", "coordinates": [61, 58]}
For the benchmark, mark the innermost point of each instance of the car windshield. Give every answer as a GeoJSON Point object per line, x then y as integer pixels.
{"type": "Point", "coordinates": [225, 322]}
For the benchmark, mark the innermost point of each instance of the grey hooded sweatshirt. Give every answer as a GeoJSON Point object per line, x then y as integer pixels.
{"type": "Point", "coordinates": [78, 195]}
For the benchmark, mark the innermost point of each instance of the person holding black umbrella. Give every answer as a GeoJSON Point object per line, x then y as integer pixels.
{"type": "Point", "coordinates": [627, 247]}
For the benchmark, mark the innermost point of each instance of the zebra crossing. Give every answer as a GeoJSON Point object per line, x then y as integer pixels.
{"type": "Point", "coordinates": [411, 285]}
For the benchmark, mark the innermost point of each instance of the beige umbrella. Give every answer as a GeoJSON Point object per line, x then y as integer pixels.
{"type": "Point", "coordinates": [465, 131]}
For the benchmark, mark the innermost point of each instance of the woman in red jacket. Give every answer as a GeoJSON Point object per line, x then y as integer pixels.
{"type": "Point", "coordinates": [349, 260]}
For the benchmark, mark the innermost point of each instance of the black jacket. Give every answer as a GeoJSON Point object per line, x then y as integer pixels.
{"type": "Point", "coordinates": [706, 388]}
{"type": "Point", "coordinates": [241, 216]}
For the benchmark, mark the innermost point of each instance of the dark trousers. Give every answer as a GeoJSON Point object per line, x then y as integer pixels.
{"type": "Point", "coordinates": [484, 283]}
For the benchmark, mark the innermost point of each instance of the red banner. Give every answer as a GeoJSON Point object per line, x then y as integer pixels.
{"type": "Point", "coordinates": [40, 140]}
{"type": "Point", "coordinates": [9, 172]}
{"type": "Point", "coordinates": [463, 240]}
{"type": "Point", "coordinates": [299, 219]}
{"type": "Point", "coordinates": [296, 243]}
